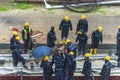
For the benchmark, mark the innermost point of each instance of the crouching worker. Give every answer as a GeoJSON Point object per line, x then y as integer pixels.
{"type": "Point", "coordinates": [106, 69]}
{"type": "Point", "coordinates": [17, 53]}
{"type": "Point", "coordinates": [47, 68]}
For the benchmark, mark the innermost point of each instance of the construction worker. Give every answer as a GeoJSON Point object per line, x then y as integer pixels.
{"type": "Point", "coordinates": [47, 68]}
{"type": "Point", "coordinates": [106, 69]}
{"type": "Point", "coordinates": [65, 26]}
{"type": "Point", "coordinates": [96, 39]}
{"type": "Point", "coordinates": [58, 60]}
{"type": "Point", "coordinates": [12, 40]}
{"type": "Point", "coordinates": [87, 67]}
{"type": "Point", "coordinates": [82, 24]}
{"type": "Point", "coordinates": [26, 36]}
{"type": "Point", "coordinates": [82, 40]}
{"type": "Point", "coordinates": [51, 37]}
{"type": "Point", "coordinates": [70, 47]}
{"type": "Point", "coordinates": [17, 53]}
{"type": "Point", "coordinates": [71, 65]}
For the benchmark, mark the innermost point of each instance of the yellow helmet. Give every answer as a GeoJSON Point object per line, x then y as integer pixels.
{"type": "Point", "coordinates": [79, 32]}
{"type": "Point", "coordinates": [26, 24]}
{"type": "Point", "coordinates": [67, 41]}
{"type": "Point", "coordinates": [119, 27]}
{"type": "Point", "coordinates": [46, 58]}
{"type": "Point", "coordinates": [83, 17]}
{"type": "Point", "coordinates": [66, 18]}
{"type": "Point", "coordinates": [71, 53]}
{"type": "Point", "coordinates": [14, 33]}
{"type": "Point", "coordinates": [17, 38]}
{"type": "Point", "coordinates": [100, 29]}
{"type": "Point", "coordinates": [87, 55]}
{"type": "Point", "coordinates": [107, 58]}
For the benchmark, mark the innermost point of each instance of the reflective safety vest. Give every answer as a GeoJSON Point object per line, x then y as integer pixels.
{"type": "Point", "coordinates": [25, 35]}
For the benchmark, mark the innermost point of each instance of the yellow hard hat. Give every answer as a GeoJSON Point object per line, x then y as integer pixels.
{"type": "Point", "coordinates": [71, 53]}
{"type": "Point", "coordinates": [100, 29]}
{"type": "Point", "coordinates": [66, 18]}
{"type": "Point", "coordinates": [119, 27]}
{"type": "Point", "coordinates": [67, 41]}
{"type": "Point", "coordinates": [87, 55]}
{"type": "Point", "coordinates": [46, 58]}
{"type": "Point", "coordinates": [26, 24]}
{"type": "Point", "coordinates": [14, 33]}
{"type": "Point", "coordinates": [107, 58]}
{"type": "Point", "coordinates": [79, 32]}
{"type": "Point", "coordinates": [83, 17]}
{"type": "Point", "coordinates": [17, 38]}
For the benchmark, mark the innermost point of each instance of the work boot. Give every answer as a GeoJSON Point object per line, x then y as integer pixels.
{"type": "Point", "coordinates": [91, 50]}
{"type": "Point", "coordinates": [95, 50]}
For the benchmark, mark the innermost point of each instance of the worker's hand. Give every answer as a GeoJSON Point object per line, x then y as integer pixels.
{"type": "Point", "coordinates": [30, 33]}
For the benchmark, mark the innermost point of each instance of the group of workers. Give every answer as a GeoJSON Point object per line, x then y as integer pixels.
{"type": "Point", "coordinates": [65, 58]}
{"type": "Point", "coordinates": [15, 44]}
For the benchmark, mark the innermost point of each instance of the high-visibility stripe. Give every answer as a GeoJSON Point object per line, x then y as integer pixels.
{"type": "Point", "coordinates": [25, 35]}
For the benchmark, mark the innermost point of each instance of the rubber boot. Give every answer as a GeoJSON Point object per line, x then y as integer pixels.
{"type": "Point", "coordinates": [91, 50]}
{"type": "Point", "coordinates": [95, 50]}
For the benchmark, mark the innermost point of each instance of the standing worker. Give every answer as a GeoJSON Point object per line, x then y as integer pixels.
{"type": "Point", "coordinates": [82, 24]}
{"type": "Point", "coordinates": [87, 67]}
{"type": "Point", "coordinates": [12, 40]}
{"type": "Point", "coordinates": [105, 72]}
{"type": "Point", "coordinates": [71, 65]}
{"type": "Point", "coordinates": [17, 53]}
{"type": "Point", "coordinates": [26, 36]}
{"type": "Point", "coordinates": [118, 46]}
{"type": "Point", "coordinates": [65, 26]}
{"type": "Point", "coordinates": [58, 60]}
{"type": "Point", "coordinates": [51, 37]}
{"type": "Point", "coordinates": [47, 68]}
{"type": "Point", "coordinates": [83, 39]}
{"type": "Point", "coordinates": [96, 39]}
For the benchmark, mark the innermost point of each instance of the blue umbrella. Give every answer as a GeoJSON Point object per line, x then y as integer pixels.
{"type": "Point", "coordinates": [41, 51]}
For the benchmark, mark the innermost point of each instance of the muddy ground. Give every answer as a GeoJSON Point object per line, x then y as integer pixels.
{"type": "Point", "coordinates": [41, 19]}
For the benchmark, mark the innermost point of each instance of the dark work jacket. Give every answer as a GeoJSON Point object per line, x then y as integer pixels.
{"type": "Point", "coordinates": [118, 37]}
{"type": "Point", "coordinates": [47, 68]}
{"type": "Point", "coordinates": [97, 36]}
{"type": "Point", "coordinates": [12, 40]}
{"type": "Point", "coordinates": [87, 67]}
{"type": "Point", "coordinates": [51, 38]}
{"type": "Point", "coordinates": [65, 26]}
{"type": "Point", "coordinates": [82, 25]}
{"type": "Point", "coordinates": [106, 69]}
{"type": "Point", "coordinates": [82, 38]}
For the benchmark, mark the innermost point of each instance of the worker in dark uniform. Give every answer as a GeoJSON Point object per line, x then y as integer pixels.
{"type": "Point", "coordinates": [17, 53]}
{"type": "Point", "coordinates": [26, 36]}
{"type": "Point", "coordinates": [70, 47]}
{"type": "Point", "coordinates": [106, 69]}
{"type": "Point", "coordinates": [118, 47]}
{"type": "Point", "coordinates": [58, 60]}
{"type": "Point", "coordinates": [65, 26]}
{"type": "Point", "coordinates": [96, 39]}
{"type": "Point", "coordinates": [82, 24]}
{"type": "Point", "coordinates": [12, 40]}
{"type": "Point", "coordinates": [71, 65]}
{"type": "Point", "coordinates": [82, 40]}
{"type": "Point", "coordinates": [47, 68]}
{"type": "Point", "coordinates": [51, 37]}
{"type": "Point", "coordinates": [87, 67]}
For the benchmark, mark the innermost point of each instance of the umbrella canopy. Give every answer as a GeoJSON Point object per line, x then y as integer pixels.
{"type": "Point", "coordinates": [41, 51]}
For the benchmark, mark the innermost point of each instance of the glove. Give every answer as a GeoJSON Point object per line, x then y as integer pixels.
{"type": "Point", "coordinates": [30, 33]}
{"type": "Point", "coordinates": [65, 50]}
